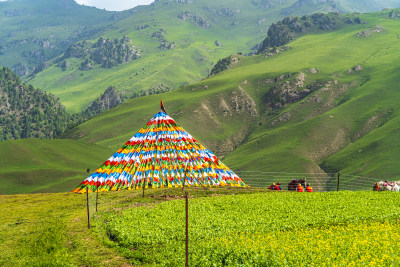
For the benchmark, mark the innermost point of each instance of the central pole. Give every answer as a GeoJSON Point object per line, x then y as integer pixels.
{"type": "Point", "coordinates": [187, 230]}
{"type": "Point", "coordinates": [97, 192]}
{"type": "Point", "coordinates": [97, 197]}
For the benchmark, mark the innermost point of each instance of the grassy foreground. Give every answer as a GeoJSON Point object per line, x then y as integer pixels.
{"type": "Point", "coordinates": [228, 226]}
{"type": "Point", "coordinates": [51, 229]}
{"type": "Point", "coordinates": [264, 229]}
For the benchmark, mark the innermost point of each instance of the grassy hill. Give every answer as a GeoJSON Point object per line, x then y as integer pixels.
{"type": "Point", "coordinates": [301, 7]}
{"type": "Point", "coordinates": [35, 165]}
{"type": "Point", "coordinates": [180, 41]}
{"type": "Point", "coordinates": [340, 126]}
{"type": "Point", "coordinates": [327, 104]}
{"type": "Point", "coordinates": [202, 32]}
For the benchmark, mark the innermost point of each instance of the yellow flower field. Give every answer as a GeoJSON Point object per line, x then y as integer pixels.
{"type": "Point", "coordinates": [365, 244]}
{"type": "Point", "coordinates": [264, 229]}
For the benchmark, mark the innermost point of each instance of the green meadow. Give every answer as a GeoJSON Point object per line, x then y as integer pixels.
{"type": "Point", "coordinates": [227, 226]}
{"type": "Point", "coordinates": [34, 165]}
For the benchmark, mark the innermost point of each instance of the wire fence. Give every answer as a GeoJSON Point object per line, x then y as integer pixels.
{"type": "Point", "coordinates": [320, 182]}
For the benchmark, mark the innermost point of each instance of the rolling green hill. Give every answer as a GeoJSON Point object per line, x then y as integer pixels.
{"type": "Point", "coordinates": [346, 120]}
{"type": "Point", "coordinates": [301, 7]}
{"type": "Point", "coordinates": [200, 34]}
{"type": "Point", "coordinates": [179, 42]}
{"type": "Point", "coordinates": [327, 103]}
{"type": "Point", "coordinates": [35, 165]}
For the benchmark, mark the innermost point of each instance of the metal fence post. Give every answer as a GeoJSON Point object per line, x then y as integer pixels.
{"type": "Point", "coordinates": [87, 208]}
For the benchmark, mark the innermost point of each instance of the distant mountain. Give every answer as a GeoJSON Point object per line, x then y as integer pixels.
{"type": "Point", "coordinates": [301, 7]}
{"type": "Point", "coordinates": [179, 41]}
{"type": "Point", "coordinates": [33, 32]}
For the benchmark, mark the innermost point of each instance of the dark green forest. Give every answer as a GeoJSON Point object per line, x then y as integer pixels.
{"type": "Point", "coordinates": [26, 112]}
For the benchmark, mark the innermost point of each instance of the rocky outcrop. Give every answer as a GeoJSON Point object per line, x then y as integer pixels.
{"type": "Point", "coordinates": [20, 69]}
{"type": "Point", "coordinates": [107, 53]}
{"type": "Point", "coordinates": [159, 34]}
{"type": "Point", "coordinates": [313, 70]}
{"type": "Point", "coordinates": [288, 89]}
{"type": "Point", "coordinates": [224, 64]}
{"type": "Point", "coordinates": [109, 99]}
{"type": "Point", "coordinates": [370, 31]}
{"type": "Point", "coordinates": [142, 26]}
{"type": "Point", "coordinates": [195, 19]}
{"type": "Point", "coordinates": [243, 102]}
{"type": "Point", "coordinates": [355, 68]}
{"type": "Point", "coordinates": [224, 12]}
{"type": "Point", "coordinates": [289, 28]}
{"type": "Point", "coordinates": [167, 46]}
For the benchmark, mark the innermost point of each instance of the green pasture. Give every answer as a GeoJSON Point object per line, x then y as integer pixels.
{"type": "Point", "coordinates": [34, 165]}
{"type": "Point", "coordinates": [47, 229]}
{"type": "Point", "coordinates": [227, 226]}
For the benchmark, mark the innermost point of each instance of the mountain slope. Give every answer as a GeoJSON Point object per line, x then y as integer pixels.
{"type": "Point", "coordinates": [33, 32]}
{"type": "Point", "coordinates": [328, 103]}
{"type": "Point", "coordinates": [301, 7]}
{"type": "Point", "coordinates": [235, 113]}
{"type": "Point", "coordinates": [26, 112]}
{"type": "Point", "coordinates": [179, 42]}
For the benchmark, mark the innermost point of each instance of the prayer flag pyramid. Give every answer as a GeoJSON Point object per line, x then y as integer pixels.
{"type": "Point", "coordinates": [161, 154]}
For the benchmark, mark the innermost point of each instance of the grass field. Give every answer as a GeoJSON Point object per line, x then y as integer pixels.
{"type": "Point", "coordinates": [227, 226]}
{"type": "Point", "coordinates": [34, 165]}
